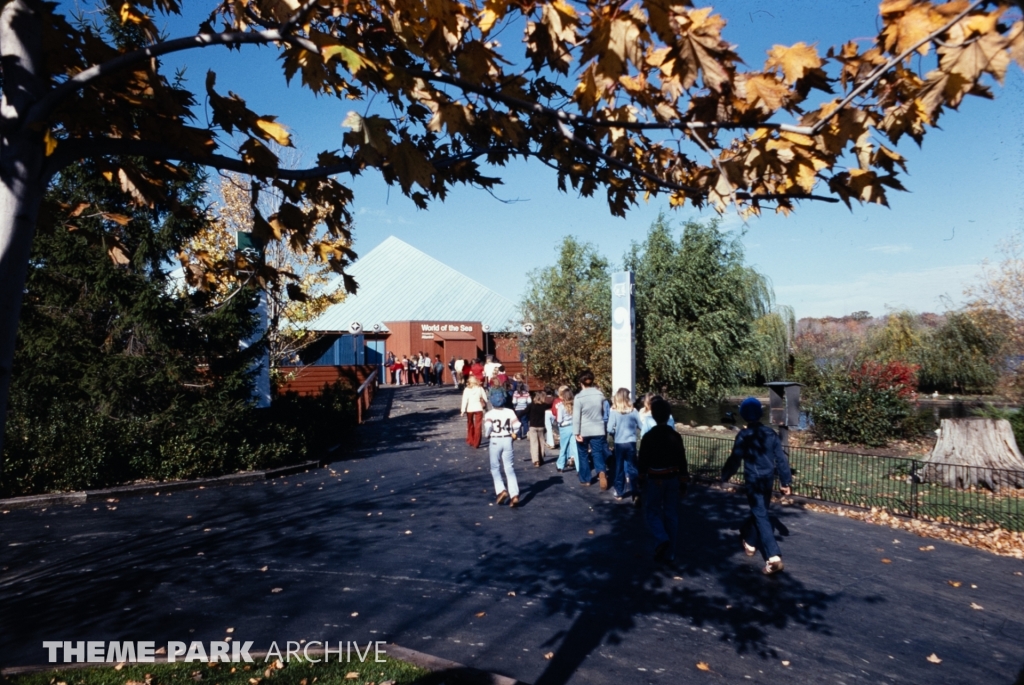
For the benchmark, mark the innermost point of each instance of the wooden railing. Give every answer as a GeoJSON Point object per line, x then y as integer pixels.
{"type": "Point", "coordinates": [310, 380]}
{"type": "Point", "coordinates": [364, 396]}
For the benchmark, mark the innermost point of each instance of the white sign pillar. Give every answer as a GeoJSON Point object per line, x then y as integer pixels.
{"type": "Point", "coordinates": [623, 333]}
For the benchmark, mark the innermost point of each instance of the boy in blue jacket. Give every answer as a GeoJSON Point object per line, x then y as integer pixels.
{"type": "Point", "coordinates": [760, 450]}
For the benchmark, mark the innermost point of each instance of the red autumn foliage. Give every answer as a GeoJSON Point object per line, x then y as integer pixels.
{"type": "Point", "coordinates": [894, 375]}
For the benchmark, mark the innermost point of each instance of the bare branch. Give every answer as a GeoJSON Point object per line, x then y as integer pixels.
{"type": "Point", "coordinates": [877, 73]}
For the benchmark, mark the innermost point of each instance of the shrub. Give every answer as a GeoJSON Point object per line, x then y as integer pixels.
{"type": "Point", "coordinates": [868, 406]}
{"type": "Point", "coordinates": [67, 447]}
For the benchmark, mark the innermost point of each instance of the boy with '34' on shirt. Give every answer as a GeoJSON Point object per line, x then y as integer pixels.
{"type": "Point", "coordinates": [501, 426]}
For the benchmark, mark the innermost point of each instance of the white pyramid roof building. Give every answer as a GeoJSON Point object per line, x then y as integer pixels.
{"type": "Point", "coordinates": [397, 282]}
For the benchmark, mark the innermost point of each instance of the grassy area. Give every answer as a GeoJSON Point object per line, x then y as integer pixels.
{"type": "Point", "coordinates": [869, 481]}
{"type": "Point", "coordinates": [257, 673]}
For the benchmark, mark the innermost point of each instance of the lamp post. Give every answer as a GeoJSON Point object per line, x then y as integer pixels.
{"type": "Point", "coordinates": [527, 331]}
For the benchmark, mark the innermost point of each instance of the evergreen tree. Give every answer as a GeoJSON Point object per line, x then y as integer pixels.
{"type": "Point", "coordinates": [119, 372]}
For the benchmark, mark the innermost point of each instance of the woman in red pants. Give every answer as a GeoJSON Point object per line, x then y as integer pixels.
{"type": "Point", "coordinates": [474, 402]}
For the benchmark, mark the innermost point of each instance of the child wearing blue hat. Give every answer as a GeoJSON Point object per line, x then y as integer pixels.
{"type": "Point", "coordinates": [500, 425]}
{"type": "Point", "coordinates": [759, 449]}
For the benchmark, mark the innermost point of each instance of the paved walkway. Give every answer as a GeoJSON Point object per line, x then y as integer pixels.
{"type": "Point", "coordinates": [401, 542]}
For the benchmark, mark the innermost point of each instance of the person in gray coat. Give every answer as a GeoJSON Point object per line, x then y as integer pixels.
{"type": "Point", "coordinates": [589, 427]}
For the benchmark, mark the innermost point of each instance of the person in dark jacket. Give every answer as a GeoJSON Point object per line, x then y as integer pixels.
{"type": "Point", "coordinates": [664, 475]}
{"type": "Point", "coordinates": [759, 449]}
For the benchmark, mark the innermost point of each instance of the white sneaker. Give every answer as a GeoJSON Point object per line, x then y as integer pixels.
{"type": "Point", "coordinates": [749, 550]}
{"type": "Point", "coordinates": [773, 566]}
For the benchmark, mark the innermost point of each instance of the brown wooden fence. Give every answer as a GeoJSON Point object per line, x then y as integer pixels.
{"type": "Point", "coordinates": [310, 380]}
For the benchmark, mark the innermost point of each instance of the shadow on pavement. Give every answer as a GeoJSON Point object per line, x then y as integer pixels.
{"type": "Point", "coordinates": [605, 590]}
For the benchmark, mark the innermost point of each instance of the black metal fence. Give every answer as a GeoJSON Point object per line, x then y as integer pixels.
{"type": "Point", "coordinates": [899, 485]}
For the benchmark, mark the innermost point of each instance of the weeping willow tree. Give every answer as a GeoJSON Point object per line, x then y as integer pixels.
{"type": "Point", "coordinates": [705, 320]}
{"type": "Point", "coordinates": [900, 339]}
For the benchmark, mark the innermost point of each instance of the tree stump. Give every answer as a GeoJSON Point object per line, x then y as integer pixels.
{"type": "Point", "coordinates": [973, 452]}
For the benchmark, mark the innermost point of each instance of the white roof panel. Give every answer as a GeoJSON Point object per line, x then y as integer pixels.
{"type": "Point", "coordinates": [397, 282]}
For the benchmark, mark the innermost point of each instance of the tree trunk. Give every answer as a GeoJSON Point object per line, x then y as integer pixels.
{"type": "Point", "coordinates": [974, 452]}
{"type": "Point", "coordinates": [22, 182]}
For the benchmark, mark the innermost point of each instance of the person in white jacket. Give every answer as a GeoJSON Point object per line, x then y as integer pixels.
{"type": "Point", "coordinates": [474, 402]}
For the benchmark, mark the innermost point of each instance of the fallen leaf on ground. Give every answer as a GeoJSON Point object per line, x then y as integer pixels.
{"type": "Point", "coordinates": [955, 583]}
{"type": "Point", "coordinates": [929, 548]}
{"type": "Point", "coordinates": [275, 590]}
{"type": "Point", "coordinates": [977, 607]}
{"type": "Point", "coordinates": [229, 630]}
{"type": "Point", "coordinates": [352, 676]}
{"type": "Point", "coordinates": [590, 532]}
{"type": "Point", "coordinates": [481, 614]}
{"type": "Point", "coordinates": [354, 614]}
{"type": "Point", "coordinates": [119, 666]}
{"type": "Point", "coordinates": [934, 658]}
{"type": "Point", "coordinates": [264, 569]}
{"type": "Point", "coordinates": [701, 666]}
{"type": "Point", "coordinates": [973, 586]}
{"type": "Point", "coordinates": [996, 540]}
{"type": "Point", "coordinates": [512, 594]}
{"type": "Point", "coordinates": [408, 532]}
{"type": "Point", "coordinates": [549, 655]}
{"type": "Point", "coordinates": [162, 650]}
{"type": "Point", "coordinates": [886, 561]}
{"type": "Point", "coordinates": [785, 663]}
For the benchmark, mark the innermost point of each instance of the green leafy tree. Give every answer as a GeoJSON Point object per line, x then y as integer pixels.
{"type": "Point", "coordinates": [570, 306]}
{"type": "Point", "coordinates": [960, 356]}
{"type": "Point", "coordinates": [705, 320]}
{"type": "Point", "coordinates": [899, 339]}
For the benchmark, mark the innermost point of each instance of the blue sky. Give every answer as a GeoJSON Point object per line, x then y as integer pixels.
{"type": "Point", "coordinates": [965, 187]}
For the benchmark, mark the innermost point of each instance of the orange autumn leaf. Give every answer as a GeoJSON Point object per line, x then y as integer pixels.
{"type": "Point", "coordinates": [794, 62]}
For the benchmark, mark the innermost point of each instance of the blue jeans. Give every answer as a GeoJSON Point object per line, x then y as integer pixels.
{"type": "Point", "coordinates": [661, 510]}
{"type": "Point", "coordinates": [625, 468]}
{"type": "Point", "coordinates": [597, 446]}
{"type": "Point", "coordinates": [567, 450]}
{"type": "Point", "coordinates": [524, 423]}
{"type": "Point", "coordinates": [502, 458]}
{"type": "Point", "coordinates": [757, 529]}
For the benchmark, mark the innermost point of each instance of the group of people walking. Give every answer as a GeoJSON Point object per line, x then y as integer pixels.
{"type": "Point", "coordinates": [653, 475]}
{"type": "Point", "coordinates": [420, 369]}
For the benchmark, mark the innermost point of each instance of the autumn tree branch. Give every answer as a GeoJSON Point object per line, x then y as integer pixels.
{"type": "Point", "coordinates": [69, 151]}
{"type": "Point", "coordinates": [671, 185]}
{"type": "Point", "coordinates": [882, 69]}
{"type": "Point", "coordinates": [46, 104]}
{"type": "Point", "coordinates": [578, 119]}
